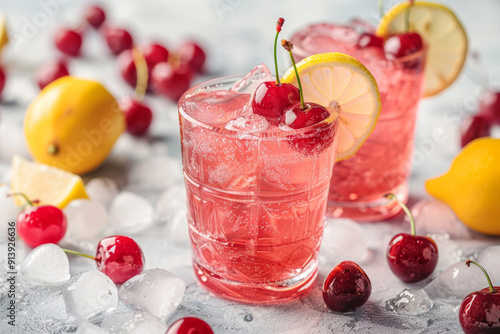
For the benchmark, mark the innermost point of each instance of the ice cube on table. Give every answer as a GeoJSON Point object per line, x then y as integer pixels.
{"type": "Point", "coordinates": [436, 218]}
{"type": "Point", "coordinates": [89, 294]}
{"type": "Point", "coordinates": [85, 327]}
{"type": "Point", "coordinates": [177, 230]}
{"type": "Point", "coordinates": [250, 123]}
{"type": "Point", "coordinates": [46, 265]}
{"type": "Point", "coordinates": [449, 253]}
{"type": "Point", "coordinates": [170, 203]}
{"type": "Point", "coordinates": [490, 260]}
{"type": "Point", "coordinates": [130, 213]}
{"type": "Point", "coordinates": [410, 302]}
{"type": "Point", "coordinates": [141, 323]}
{"type": "Point", "coordinates": [86, 219]}
{"type": "Point", "coordinates": [254, 78]}
{"type": "Point", "coordinates": [156, 291]}
{"type": "Point", "coordinates": [102, 189]}
{"type": "Point", "coordinates": [8, 211]}
{"type": "Point", "coordinates": [343, 239]}
{"type": "Point", "coordinates": [216, 107]}
{"type": "Point", "coordinates": [456, 282]}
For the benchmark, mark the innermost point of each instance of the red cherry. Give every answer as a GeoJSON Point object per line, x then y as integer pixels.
{"type": "Point", "coordinates": [118, 40]}
{"type": "Point", "coordinates": [138, 116]}
{"type": "Point", "coordinates": [192, 54]}
{"type": "Point", "coordinates": [119, 257]}
{"type": "Point", "coordinates": [367, 40]}
{"type": "Point", "coordinates": [153, 54]}
{"type": "Point", "coordinates": [38, 225]}
{"type": "Point", "coordinates": [346, 288]}
{"type": "Point", "coordinates": [402, 45]}
{"type": "Point", "coordinates": [411, 258]}
{"type": "Point", "coordinates": [489, 107]}
{"type": "Point", "coordinates": [2, 79]}
{"type": "Point", "coordinates": [127, 67]}
{"type": "Point", "coordinates": [50, 72]}
{"type": "Point", "coordinates": [189, 325]}
{"type": "Point", "coordinates": [95, 16]}
{"type": "Point", "coordinates": [271, 100]}
{"type": "Point", "coordinates": [170, 81]}
{"type": "Point", "coordinates": [68, 41]}
{"type": "Point", "coordinates": [475, 127]}
{"type": "Point", "coordinates": [480, 310]}
{"type": "Point", "coordinates": [296, 117]}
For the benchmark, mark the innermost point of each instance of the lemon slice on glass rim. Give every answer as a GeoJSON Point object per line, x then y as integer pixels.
{"type": "Point", "coordinates": [443, 34]}
{"type": "Point", "coordinates": [335, 79]}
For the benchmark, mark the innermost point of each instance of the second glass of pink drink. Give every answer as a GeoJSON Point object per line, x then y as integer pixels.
{"type": "Point", "coordinates": [383, 163]}
{"type": "Point", "coordinates": [256, 193]}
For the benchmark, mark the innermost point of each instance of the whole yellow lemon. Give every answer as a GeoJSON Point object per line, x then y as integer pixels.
{"type": "Point", "coordinates": [73, 124]}
{"type": "Point", "coordinates": [472, 186]}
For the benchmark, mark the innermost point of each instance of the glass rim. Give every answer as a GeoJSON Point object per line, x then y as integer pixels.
{"type": "Point", "coordinates": [219, 81]}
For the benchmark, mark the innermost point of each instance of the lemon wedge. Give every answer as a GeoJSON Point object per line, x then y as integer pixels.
{"type": "Point", "coordinates": [336, 79]}
{"type": "Point", "coordinates": [443, 34]}
{"type": "Point", "coordinates": [49, 185]}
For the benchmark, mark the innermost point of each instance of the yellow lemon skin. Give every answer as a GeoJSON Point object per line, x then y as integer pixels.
{"type": "Point", "coordinates": [471, 187]}
{"type": "Point", "coordinates": [73, 124]}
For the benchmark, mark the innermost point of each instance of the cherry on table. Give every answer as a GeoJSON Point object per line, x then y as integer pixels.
{"type": "Point", "coordinates": [192, 54]}
{"type": "Point", "coordinates": [154, 53]}
{"type": "Point", "coordinates": [47, 73]}
{"type": "Point", "coordinates": [2, 79]}
{"type": "Point", "coordinates": [38, 225]}
{"type": "Point", "coordinates": [190, 325]}
{"type": "Point", "coordinates": [118, 39]}
{"type": "Point", "coordinates": [475, 127]}
{"type": "Point", "coordinates": [346, 288]}
{"type": "Point", "coordinates": [95, 16]}
{"type": "Point", "coordinates": [480, 310]}
{"type": "Point", "coordinates": [367, 40]}
{"type": "Point", "coordinates": [403, 45]}
{"type": "Point", "coordinates": [411, 258]}
{"type": "Point", "coordinates": [138, 116]}
{"type": "Point", "coordinates": [68, 41]}
{"type": "Point", "coordinates": [171, 81]}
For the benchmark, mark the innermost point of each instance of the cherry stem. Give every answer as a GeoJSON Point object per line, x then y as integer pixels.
{"type": "Point", "coordinates": [289, 46]}
{"type": "Point", "coordinates": [408, 16]}
{"type": "Point", "coordinates": [142, 74]}
{"type": "Point", "coordinates": [405, 209]}
{"type": "Point", "coordinates": [279, 24]}
{"type": "Point", "coordinates": [381, 7]}
{"type": "Point", "coordinates": [492, 289]}
{"type": "Point", "coordinates": [28, 201]}
{"type": "Point", "coordinates": [78, 253]}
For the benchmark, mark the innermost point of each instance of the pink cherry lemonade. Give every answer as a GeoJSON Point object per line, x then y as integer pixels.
{"type": "Point", "coordinates": [256, 193]}
{"type": "Point", "coordinates": [383, 163]}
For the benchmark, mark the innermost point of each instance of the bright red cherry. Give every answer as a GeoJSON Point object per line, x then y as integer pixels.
{"type": "Point", "coordinates": [411, 258]}
{"type": "Point", "coordinates": [480, 311]}
{"type": "Point", "coordinates": [296, 117]}
{"type": "Point", "coordinates": [271, 98]}
{"type": "Point", "coordinates": [68, 41]}
{"type": "Point", "coordinates": [50, 72]}
{"type": "Point", "coordinates": [402, 45]}
{"type": "Point", "coordinates": [171, 81]}
{"type": "Point", "coordinates": [152, 53]}
{"type": "Point", "coordinates": [118, 40]}
{"type": "Point", "coordinates": [95, 16]}
{"type": "Point", "coordinates": [475, 127]}
{"type": "Point", "coordinates": [138, 116]}
{"type": "Point", "coordinates": [489, 107]}
{"type": "Point", "coordinates": [346, 288]}
{"type": "Point", "coordinates": [189, 325]}
{"type": "Point", "coordinates": [120, 258]}
{"type": "Point", "coordinates": [2, 79]}
{"type": "Point", "coordinates": [367, 40]}
{"type": "Point", "coordinates": [192, 54]}
{"type": "Point", "coordinates": [38, 225]}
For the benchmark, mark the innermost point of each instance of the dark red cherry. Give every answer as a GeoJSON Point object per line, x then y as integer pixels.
{"type": "Point", "coordinates": [367, 40]}
{"type": "Point", "coordinates": [480, 311]}
{"type": "Point", "coordinates": [118, 40]}
{"type": "Point", "coordinates": [346, 288]}
{"type": "Point", "coordinates": [402, 45]}
{"type": "Point", "coordinates": [192, 54]}
{"type": "Point", "coordinates": [171, 81]}
{"type": "Point", "coordinates": [296, 117]}
{"type": "Point", "coordinates": [50, 72]}
{"type": "Point", "coordinates": [68, 41]}
{"type": "Point", "coordinates": [475, 127]}
{"type": "Point", "coordinates": [271, 100]}
{"type": "Point", "coordinates": [189, 325]}
{"type": "Point", "coordinates": [138, 116]}
{"type": "Point", "coordinates": [95, 16]}
{"type": "Point", "coordinates": [120, 258]}
{"type": "Point", "coordinates": [489, 107]}
{"type": "Point", "coordinates": [2, 79]}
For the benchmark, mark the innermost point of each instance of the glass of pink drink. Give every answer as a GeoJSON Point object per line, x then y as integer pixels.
{"type": "Point", "coordinates": [383, 163]}
{"type": "Point", "coordinates": [256, 194]}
